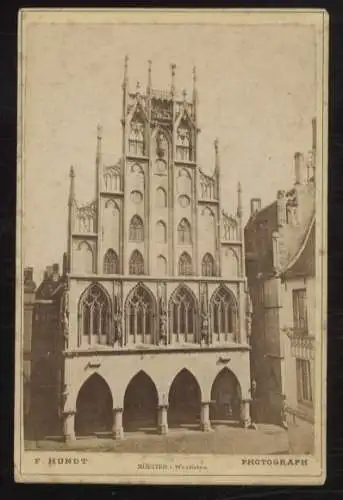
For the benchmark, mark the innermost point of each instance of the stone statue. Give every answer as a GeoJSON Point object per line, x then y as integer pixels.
{"type": "Point", "coordinates": [204, 326]}
{"type": "Point", "coordinates": [118, 328]}
{"type": "Point", "coordinates": [163, 327]}
{"type": "Point", "coordinates": [65, 318]}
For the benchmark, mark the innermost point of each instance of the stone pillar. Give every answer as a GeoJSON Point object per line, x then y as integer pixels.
{"type": "Point", "coordinates": [205, 416]}
{"type": "Point", "coordinates": [245, 413]}
{"type": "Point", "coordinates": [163, 419]}
{"type": "Point", "coordinates": [117, 430]}
{"type": "Point", "coordinates": [69, 426]}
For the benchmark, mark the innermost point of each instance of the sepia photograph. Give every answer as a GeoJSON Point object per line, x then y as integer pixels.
{"type": "Point", "coordinates": [171, 246]}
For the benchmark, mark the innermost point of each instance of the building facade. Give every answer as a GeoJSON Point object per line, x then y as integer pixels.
{"type": "Point", "coordinates": [280, 263]}
{"type": "Point", "coordinates": [154, 313]}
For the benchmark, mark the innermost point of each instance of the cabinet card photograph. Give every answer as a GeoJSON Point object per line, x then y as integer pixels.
{"type": "Point", "coordinates": [171, 247]}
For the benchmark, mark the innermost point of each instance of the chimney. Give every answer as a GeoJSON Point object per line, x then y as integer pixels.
{"type": "Point", "coordinates": [48, 272]}
{"type": "Point", "coordinates": [29, 284]}
{"type": "Point", "coordinates": [276, 251]}
{"type": "Point", "coordinates": [281, 208]}
{"type": "Point", "coordinates": [28, 274]}
{"type": "Point", "coordinates": [255, 205]}
{"type": "Point", "coordinates": [299, 168]}
{"type": "Point", "coordinates": [55, 272]}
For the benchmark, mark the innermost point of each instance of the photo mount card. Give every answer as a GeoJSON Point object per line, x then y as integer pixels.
{"type": "Point", "coordinates": [171, 276]}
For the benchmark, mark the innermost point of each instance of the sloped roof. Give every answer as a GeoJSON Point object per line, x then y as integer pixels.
{"type": "Point", "coordinates": [303, 260]}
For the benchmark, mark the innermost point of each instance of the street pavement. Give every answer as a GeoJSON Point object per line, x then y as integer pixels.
{"type": "Point", "coordinates": [266, 439]}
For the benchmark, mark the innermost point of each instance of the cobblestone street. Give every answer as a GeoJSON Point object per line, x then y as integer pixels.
{"type": "Point", "coordinates": [267, 439]}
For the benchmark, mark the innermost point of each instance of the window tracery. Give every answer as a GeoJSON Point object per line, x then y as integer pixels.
{"type": "Point", "coordinates": [183, 311]}
{"type": "Point", "coordinates": [136, 264]}
{"type": "Point", "coordinates": [208, 265]}
{"type": "Point", "coordinates": [223, 312]}
{"type": "Point", "coordinates": [94, 313]}
{"type": "Point", "coordinates": [136, 138]}
{"type": "Point", "coordinates": [184, 232]}
{"type": "Point", "coordinates": [140, 312]}
{"type": "Point", "coordinates": [185, 265]}
{"type": "Point", "coordinates": [136, 232]}
{"type": "Point", "coordinates": [111, 263]}
{"type": "Point", "coordinates": [183, 144]}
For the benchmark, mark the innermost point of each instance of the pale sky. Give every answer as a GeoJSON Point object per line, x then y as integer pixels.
{"type": "Point", "coordinates": [257, 94]}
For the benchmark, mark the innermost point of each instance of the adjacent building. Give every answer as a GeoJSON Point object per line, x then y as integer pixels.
{"type": "Point", "coordinates": [280, 266]}
{"type": "Point", "coordinates": [149, 322]}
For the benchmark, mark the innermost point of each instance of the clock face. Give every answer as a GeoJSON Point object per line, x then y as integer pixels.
{"type": "Point", "coordinates": [184, 201]}
{"type": "Point", "coordinates": [136, 197]}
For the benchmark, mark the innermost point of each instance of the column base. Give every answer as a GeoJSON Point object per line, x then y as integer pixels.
{"type": "Point", "coordinates": [163, 430]}
{"type": "Point", "coordinates": [68, 438]}
{"type": "Point", "coordinates": [206, 427]}
{"type": "Point", "coordinates": [118, 434]}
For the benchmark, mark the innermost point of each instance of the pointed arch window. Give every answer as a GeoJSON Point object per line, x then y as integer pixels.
{"type": "Point", "coordinates": [136, 138]}
{"type": "Point", "coordinates": [94, 315]}
{"type": "Point", "coordinates": [161, 197]}
{"type": "Point", "coordinates": [161, 232]}
{"type": "Point", "coordinates": [223, 313]}
{"type": "Point", "coordinates": [136, 229]}
{"type": "Point", "coordinates": [136, 264]}
{"type": "Point", "coordinates": [184, 232]}
{"type": "Point", "coordinates": [183, 311]}
{"type": "Point", "coordinates": [183, 144]}
{"type": "Point", "coordinates": [185, 265]}
{"type": "Point", "coordinates": [230, 229]}
{"type": "Point", "coordinates": [140, 309]}
{"type": "Point", "coordinates": [208, 265]}
{"type": "Point", "coordinates": [112, 179]}
{"type": "Point", "coordinates": [111, 263]}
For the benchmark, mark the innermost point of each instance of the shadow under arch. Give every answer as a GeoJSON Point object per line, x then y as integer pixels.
{"type": "Point", "coordinates": [43, 419]}
{"type": "Point", "coordinates": [94, 407]}
{"type": "Point", "coordinates": [184, 401]}
{"type": "Point", "coordinates": [140, 404]}
{"type": "Point", "coordinates": [226, 398]}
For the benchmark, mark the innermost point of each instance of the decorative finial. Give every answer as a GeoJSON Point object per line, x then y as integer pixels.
{"type": "Point", "coordinates": [72, 185]}
{"type": "Point", "coordinates": [126, 63]}
{"type": "Point", "coordinates": [194, 74]}
{"type": "Point", "coordinates": [149, 76]}
{"type": "Point", "coordinates": [184, 94]}
{"type": "Point", "coordinates": [99, 131]}
{"type": "Point", "coordinates": [216, 145]}
{"type": "Point", "coordinates": [239, 200]}
{"type": "Point", "coordinates": [173, 68]}
{"type": "Point", "coordinates": [72, 171]}
{"type": "Point", "coordinates": [138, 87]}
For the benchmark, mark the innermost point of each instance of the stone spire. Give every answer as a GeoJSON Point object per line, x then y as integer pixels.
{"type": "Point", "coordinates": [126, 78]}
{"type": "Point", "coordinates": [172, 88]}
{"type": "Point", "coordinates": [195, 92]}
{"type": "Point", "coordinates": [149, 86]}
{"type": "Point", "coordinates": [71, 186]}
{"type": "Point", "coordinates": [239, 201]}
{"type": "Point", "coordinates": [98, 145]}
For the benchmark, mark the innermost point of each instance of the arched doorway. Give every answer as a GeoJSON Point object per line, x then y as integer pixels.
{"type": "Point", "coordinates": [43, 418]}
{"type": "Point", "coordinates": [225, 398]}
{"type": "Point", "coordinates": [94, 408]}
{"type": "Point", "coordinates": [140, 404]}
{"type": "Point", "coordinates": [184, 400]}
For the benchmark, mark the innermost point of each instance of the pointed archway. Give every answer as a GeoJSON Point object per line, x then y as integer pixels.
{"type": "Point", "coordinates": [225, 397]}
{"type": "Point", "coordinates": [184, 400]}
{"type": "Point", "coordinates": [140, 404]}
{"type": "Point", "coordinates": [94, 408]}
